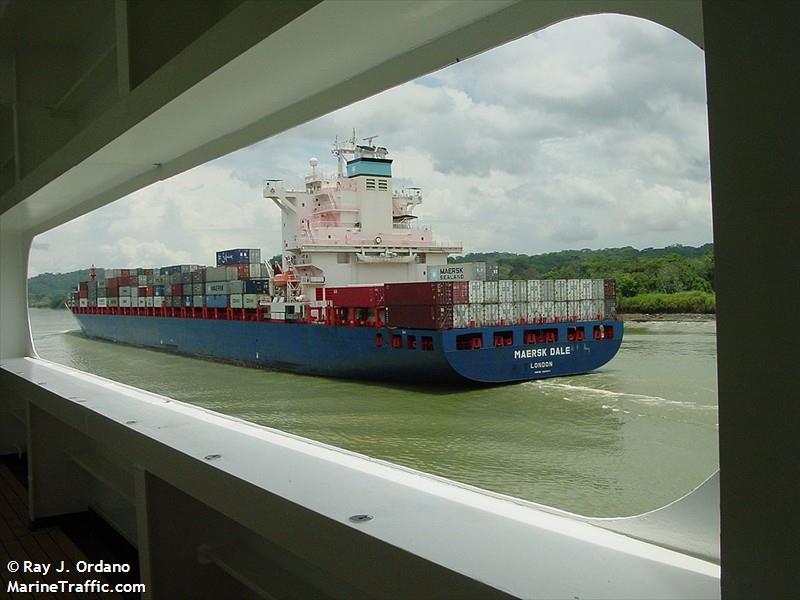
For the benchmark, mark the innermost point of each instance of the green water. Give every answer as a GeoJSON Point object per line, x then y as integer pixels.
{"type": "Point", "coordinates": [628, 438]}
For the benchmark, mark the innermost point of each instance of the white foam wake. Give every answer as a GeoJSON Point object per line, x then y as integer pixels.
{"type": "Point", "coordinates": [591, 391]}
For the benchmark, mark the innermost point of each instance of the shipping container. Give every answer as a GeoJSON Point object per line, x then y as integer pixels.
{"type": "Point", "coordinates": [573, 309]}
{"type": "Point", "coordinates": [158, 290]}
{"type": "Point", "coordinates": [426, 316]}
{"type": "Point", "coordinates": [177, 289]}
{"type": "Point", "coordinates": [475, 314]}
{"type": "Point", "coordinates": [573, 290]}
{"type": "Point", "coordinates": [505, 290]}
{"type": "Point", "coordinates": [231, 273]}
{"type": "Point", "coordinates": [141, 301]}
{"type": "Point", "coordinates": [476, 292]}
{"type": "Point", "coordinates": [598, 289]}
{"type": "Point", "coordinates": [520, 290]}
{"type": "Point", "coordinates": [534, 290]}
{"type": "Point", "coordinates": [199, 276]}
{"type": "Point", "coordinates": [520, 311]}
{"type": "Point", "coordinates": [256, 286]}
{"type": "Point", "coordinates": [461, 292]}
{"type": "Point", "coordinates": [258, 271]}
{"type": "Point", "coordinates": [491, 314]}
{"type": "Point", "coordinates": [561, 310]}
{"type": "Point", "coordinates": [236, 301]}
{"type": "Point", "coordinates": [198, 289]}
{"type": "Point", "coordinates": [158, 301]}
{"type": "Point", "coordinates": [560, 294]}
{"type": "Point", "coordinates": [354, 295]}
{"type": "Point", "coordinates": [238, 256]}
{"type": "Point", "coordinates": [217, 301]}
{"type": "Point", "coordinates": [491, 292]}
{"type": "Point", "coordinates": [160, 280]}
{"type": "Point", "coordinates": [83, 302]}
{"type": "Point", "coordinates": [457, 272]}
{"type": "Point", "coordinates": [460, 315]}
{"type": "Point", "coordinates": [124, 291]}
{"type": "Point", "coordinates": [216, 288]}
{"type": "Point", "coordinates": [148, 302]}
{"type": "Point", "coordinates": [112, 302]}
{"type": "Point", "coordinates": [419, 293]}
{"type": "Point", "coordinates": [236, 287]}
{"type": "Point", "coordinates": [609, 309]}
{"type": "Point", "coordinates": [216, 274]}
{"type": "Point", "coordinates": [250, 300]}
{"type": "Point", "coordinates": [102, 302]}
{"type": "Point", "coordinates": [492, 272]}
{"type": "Point", "coordinates": [125, 302]}
{"type": "Point", "coordinates": [197, 300]}
{"type": "Point", "coordinates": [506, 313]}
{"type": "Point", "coordinates": [610, 289]}
{"type": "Point", "coordinates": [585, 292]}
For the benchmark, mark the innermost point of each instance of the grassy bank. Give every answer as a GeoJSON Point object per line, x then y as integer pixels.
{"type": "Point", "coordinates": [678, 302]}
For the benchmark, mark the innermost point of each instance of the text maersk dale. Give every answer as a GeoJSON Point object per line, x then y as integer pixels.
{"type": "Point", "coordinates": [542, 352]}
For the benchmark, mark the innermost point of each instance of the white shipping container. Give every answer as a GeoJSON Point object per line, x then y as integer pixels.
{"type": "Point", "coordinates": [533, 313]}
{"type": "Point", "coordinates": [134, 293]}
{"type": "Point", "coordinates": [591, 309]}
{"type": "Point", "coordinates": [198, 289]}
{"type": "Point", "coordinates": [112, 302]}
{"type": "Point", "coordinates": [505, 290]}
{"type": "Point", "coordinates": [586, 289]}
{"type": "Point", "coordinates": [124, 290]}
{"type": "Point", "coordinates": [548, 311]}
{"type": "Point", "coordinates": [231, 273]}
{"type": "Point", "coordinates": [548, 290]}
{"type": "Point", "coordinates": [102, 302]}
{"type": "Point", "coordinates": [216, 274]}
{"type": "Point", "coordinates": [198, 301]}
{"type": "Point", "coordinates": [560, 294]}
{"type": "Point", "coordinates": [506, 313]}
{"type": "Point", "coordinates": [573, 290]}
{"type": "Point", "coordinates": [83, 302]}
{"type": "Point", "coordinates": [520, 290]}
{"type": "Point", "coordinates": [458, 272]}
{"type": "Point", "coordinates": [236, 287]}
{"type": "Point", "coordinates": [258, 271]}
{"type": "Point", "coordinates": [142, 279]}
{"type": "Point", "coordinates": [216, 288]}
{"type": "Point", "coordinates": [598, 289]}
{"type": "Point", "coordinates": [124, 301]}
{"type": "Point", "coordinates": [573, 309]}
{"type": "Point", "coordinates": [491, 314]}
{"type": "Point", "coordinates": [560, 310]}
{"type": "Point", "coordinates": [263, 299]}
{"type": "Point", "coordinates": [460, 315]}
{"type": "Point", "coordinates": [140, 302]}
{"type": "Point", "coordinates": [250, 300]}
{"type": "Point", "coordinates": [236, 301]}
{"type": "Point", "coordinates": [158, 301]}
{"type": "Point", "coordinates": [534, 290]}
{"type": "Point", "coordinates": [148, 302]}
{"type": "Point", "coordinates": [475, 314]}
{"type": "Point", "coordinates": [490, 292]}
{"type": "Point", "coordinates": [476, 292]}
{"type": "Point", "coordinates": [520, 311]}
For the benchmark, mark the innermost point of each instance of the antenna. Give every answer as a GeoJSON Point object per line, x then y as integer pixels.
{"type": "Point", "coordinates": [369, 139]}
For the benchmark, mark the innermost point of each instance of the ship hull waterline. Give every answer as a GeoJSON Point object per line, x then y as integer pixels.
{"type": "Point", "coordinates": [357, 352]}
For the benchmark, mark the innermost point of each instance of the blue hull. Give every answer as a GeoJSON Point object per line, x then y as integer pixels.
{"type": "Point", "coordinates": [366, 353]}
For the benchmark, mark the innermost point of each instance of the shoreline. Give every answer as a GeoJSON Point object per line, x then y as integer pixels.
{"type": "Point", "coordinates": [642, 317]}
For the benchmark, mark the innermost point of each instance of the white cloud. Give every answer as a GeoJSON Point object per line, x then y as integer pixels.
{"type": "Point", "coordinates": [591, 133]}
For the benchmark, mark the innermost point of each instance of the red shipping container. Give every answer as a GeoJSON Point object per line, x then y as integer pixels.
{"type": "Point", "coordinates": [610, 289]}
{"type": "Point", "coordinates": [420, 316]}
{"type": "Point", "coordinates": [177, 289]}
{"type": "Point", "coordinates": [83, 286]}
{"type": "Point", "coordinates": [244, 271]}
{"type": "Point", "coordinates": [112, 290]}
{"type": "Point", "coordinates": [83, 293]}
{"type": "Point", "coordinates": [357, 296]}
{"type": "Point", "coordinates": [419, 293]}
{"type": "Point", "coordinates": [461, 292]}
{"type": "Point", "coordinates": [148, 291]}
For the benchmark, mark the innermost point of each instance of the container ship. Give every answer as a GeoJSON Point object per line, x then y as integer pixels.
{"type": "Point", "coordinates": [362, 291]}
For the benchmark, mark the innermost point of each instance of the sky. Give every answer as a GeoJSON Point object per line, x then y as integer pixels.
{"type": "Point", "coordinates": [592, 133]}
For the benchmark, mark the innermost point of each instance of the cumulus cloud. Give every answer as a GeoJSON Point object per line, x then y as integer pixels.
{"type": "Point", "coordinates": [591, 133]}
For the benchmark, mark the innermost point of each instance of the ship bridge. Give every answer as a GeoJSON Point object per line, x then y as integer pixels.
{"type": "Point", "coordinates": [99, 99]}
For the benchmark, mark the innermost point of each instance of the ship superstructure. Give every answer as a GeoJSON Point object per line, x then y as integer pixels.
{"type": "Point", "coordinates": [354, 227]}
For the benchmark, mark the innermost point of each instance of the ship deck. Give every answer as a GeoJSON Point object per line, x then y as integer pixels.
{"type": "Point", "coordinates": [42, 543]}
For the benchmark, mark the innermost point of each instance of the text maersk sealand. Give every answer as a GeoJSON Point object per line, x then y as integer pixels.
{"type": "Point", "coordinates": [321, 311]}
